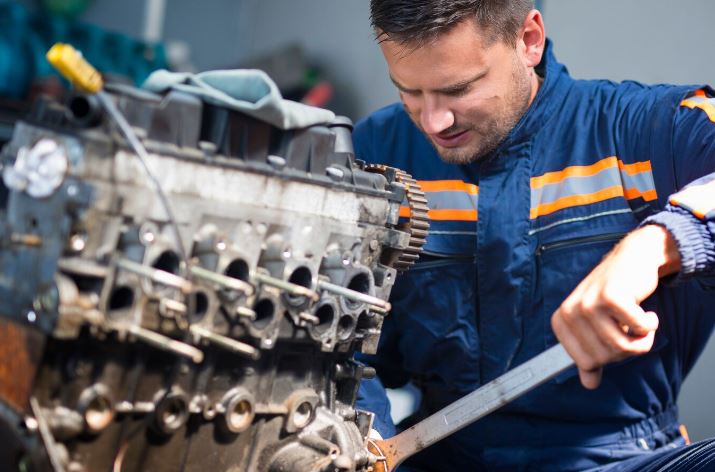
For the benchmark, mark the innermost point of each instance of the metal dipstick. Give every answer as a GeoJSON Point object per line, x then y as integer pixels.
{"type": "Point", "coordinates": [246, 312]}
{"type": "Point", "coordinates": [225, 281]}
{"type": "Point", "coordinates": [227, 343]}
{"type": "Point", "coordinates": [159, 276]}
{"type": "Point", "coordinates": [356, 296]}
{"type": "Point", "coordinates": [167, 344]}
{"type": "Point", "coordinates": [290, 288]}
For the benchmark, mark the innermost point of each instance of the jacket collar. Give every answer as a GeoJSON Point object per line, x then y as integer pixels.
{"type": "Point", "coordinates": [556, 82]}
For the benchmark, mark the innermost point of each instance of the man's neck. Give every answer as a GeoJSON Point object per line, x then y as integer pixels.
{"type": "Point", "coordinates": [536, 81]}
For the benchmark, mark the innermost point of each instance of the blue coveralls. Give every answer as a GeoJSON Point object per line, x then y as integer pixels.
{"type": "Point", "coordinates": [510, 238]}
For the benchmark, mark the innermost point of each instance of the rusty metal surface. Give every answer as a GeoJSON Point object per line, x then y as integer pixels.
{"type": "Point", "coordinates": [20, 351]}
{"type": "Point", "coordinates": [383, 463]}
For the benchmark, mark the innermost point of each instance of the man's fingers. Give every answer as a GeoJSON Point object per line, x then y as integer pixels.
{"type": "Point", "coordinates": [630, 314]}
{"type": "Point", "coordinates": [599, 339]}
{"type": "Point", "coordinates": [642, 344]}
{"type": "Point", "coordinates": [590, 379]}
{"type": "Point", "coordinates": [621, 340]}
{"type": "Point", "coordinates": [585, 351]}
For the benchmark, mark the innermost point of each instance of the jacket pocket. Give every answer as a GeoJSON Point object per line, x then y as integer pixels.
{"type": "Point", "coordinates": [434, 311]}
{"type": "Point", "coordinates": [561, 266]}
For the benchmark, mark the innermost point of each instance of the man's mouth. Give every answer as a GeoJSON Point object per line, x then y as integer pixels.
{"type": "Point", "coordinates": [452, 140]}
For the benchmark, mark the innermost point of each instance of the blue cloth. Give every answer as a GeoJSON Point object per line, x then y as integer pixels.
{"type": "Point", "coordinates": [584, 166]}
{"type": "Point", "coordinates": [246, 90]}
{"type": "Point", "coordinates": [698, 457]}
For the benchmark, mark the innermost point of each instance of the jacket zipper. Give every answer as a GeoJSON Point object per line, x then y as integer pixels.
{"type": "Point", "coordinates": [443, 260]}
{"type": "Point", "coordinates": [578, 241]}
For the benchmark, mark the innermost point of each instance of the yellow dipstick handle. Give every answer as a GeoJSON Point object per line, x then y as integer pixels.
{"type": "Point", "coordinates": [70, 63]}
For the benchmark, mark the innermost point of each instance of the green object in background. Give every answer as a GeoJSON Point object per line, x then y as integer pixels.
{"type": "Point", "coordinates": [15, 70]}
{"type": "Point", "coordinates": [25, 37]}
{"type": "Point", "coordinates": [65, 8]}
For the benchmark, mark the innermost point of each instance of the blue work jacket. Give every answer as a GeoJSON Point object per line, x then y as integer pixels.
{"type": "Point", "coordinates": [510, 238]}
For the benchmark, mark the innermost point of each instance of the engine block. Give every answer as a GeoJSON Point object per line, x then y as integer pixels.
{"type": "Point", "coordinates": [221, 338]}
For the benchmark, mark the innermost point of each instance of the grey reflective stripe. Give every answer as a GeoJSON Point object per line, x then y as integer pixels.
{"type": "Point", "coordinates": [586, 185]}
{"type": "Point", "coordinates": [451, 200]}
{"type": "Point", "coordinates": [572, 186]}
{"type": "Point", "coordinates": [643, 181]}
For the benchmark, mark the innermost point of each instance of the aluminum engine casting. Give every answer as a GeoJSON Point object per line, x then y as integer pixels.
{"type": "Point", "coordinates": [122, 348]}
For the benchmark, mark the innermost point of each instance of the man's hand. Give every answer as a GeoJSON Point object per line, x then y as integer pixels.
{"type": "Point", "coordinates": [602, 321]}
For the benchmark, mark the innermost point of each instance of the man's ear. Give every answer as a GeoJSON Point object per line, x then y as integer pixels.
{"type": "Point", "coordinates": [532, 38]}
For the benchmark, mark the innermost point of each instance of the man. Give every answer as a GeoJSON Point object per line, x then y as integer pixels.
{"type": "Point", "coordinates": [532, 178]}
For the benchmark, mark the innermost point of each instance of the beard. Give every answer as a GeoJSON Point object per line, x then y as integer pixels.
{"type": "Point", "coordinates": [490, 128]}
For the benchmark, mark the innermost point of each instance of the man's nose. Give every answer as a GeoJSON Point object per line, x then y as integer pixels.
{"type": "Point", "coordinates": [435, 118]}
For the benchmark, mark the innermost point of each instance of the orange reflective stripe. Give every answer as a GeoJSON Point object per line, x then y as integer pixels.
{"type": "Point", "coordinates": [448, 185]}
{"type": "Point", "coordinates": [700, 214]}
{"type": "Point", "coordinates": [576, 200]}
{"type": "Point", "coordinates": [405, 212]}
{"type": "Point", "coordinates": [573, 171]}
{"type": "Point", "coordinates": [635, 168]}
{"type": "Point", "coordinates": [648, 195]}
{"type": "Point", "coordinates": [685, 435]}
{"type": "Point", "coordinates": [708, 108]}
{"type": "Point", "coordinates": [456, 215]}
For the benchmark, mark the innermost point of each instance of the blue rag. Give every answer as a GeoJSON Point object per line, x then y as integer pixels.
{"type": "Point", "coordinates": [248, 91]}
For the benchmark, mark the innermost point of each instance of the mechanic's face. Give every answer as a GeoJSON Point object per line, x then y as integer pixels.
{"type": "Point", "coordinates": [465, 96]}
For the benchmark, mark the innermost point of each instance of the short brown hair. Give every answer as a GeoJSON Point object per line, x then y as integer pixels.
{"type": "Point", "coordinates": [418, 21]}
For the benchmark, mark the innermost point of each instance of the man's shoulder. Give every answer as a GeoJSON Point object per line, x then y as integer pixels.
{"type": "Point", "coordinates": [627, 92]}
{"type": "Point", "coordinates": [388, 136]}
{"type": "Point", "coordinates": [387, 118]}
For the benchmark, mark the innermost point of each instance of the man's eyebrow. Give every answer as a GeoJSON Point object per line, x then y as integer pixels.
{"type": "Point", "coordinates": [456, 87]}
{"type": "Point", "coordinates": [400, 86]}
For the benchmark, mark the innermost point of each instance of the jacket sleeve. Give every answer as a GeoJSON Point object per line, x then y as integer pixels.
{"type": "Point", "coordinates": [388, 364]}
{"type": "Point", "coordinates": [690, 218]}
{"type": "Point", "coordinates": [689, 215]}
{"type": "Point", "coordinates": [372, 397]}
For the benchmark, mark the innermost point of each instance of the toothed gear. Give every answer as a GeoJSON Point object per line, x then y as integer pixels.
{"type": "Point", "coordinates": [418, 223]}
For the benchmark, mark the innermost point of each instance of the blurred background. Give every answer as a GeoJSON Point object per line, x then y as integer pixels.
{"type": "Point", "coordinates": [322, 52]}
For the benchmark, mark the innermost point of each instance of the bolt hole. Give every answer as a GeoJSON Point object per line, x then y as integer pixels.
{"type": "Point", "coordinates": [173, 413]}
{"type": "Point", "coordinates": [360, 283]}
{"type": "Point", "coordinates": [325, 314]}
{"type": "Point", "coordinates": [98, 414]}
{"type": "Point", "coordinates": [345, 326]}
{"type": "Point", "coordinates": [168, 261]}
{"type": "Point", "coordinates": [302, 414]}
{"type": "Point", "coordinates": [121, 298]}
{"type": "Point", "coordinates": [365, 321]}
{"type": "Point", "coordinates": [301, 276]}
{"type": "Point", "coordinates": [201, 306]}
{"type": "Point", "coordinates": [265, 310]}
{"type": "Point", "coordinates": [238, 269]}
{"type": "Point", "coordinates": [241, 416]}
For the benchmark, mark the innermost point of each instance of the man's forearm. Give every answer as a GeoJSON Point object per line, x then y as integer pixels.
{"type": "Point", "coordinates": [689, 219]}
